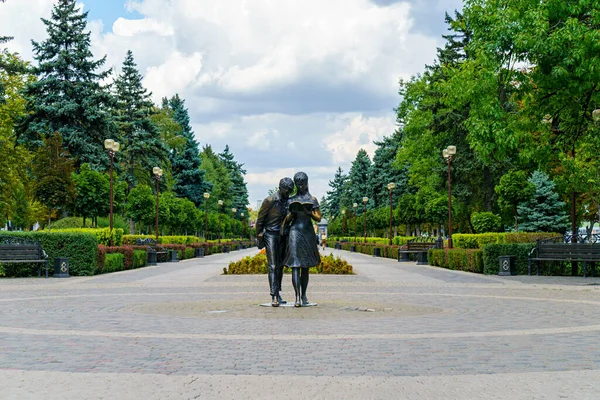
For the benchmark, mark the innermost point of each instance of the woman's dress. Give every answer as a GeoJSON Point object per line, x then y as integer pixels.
{"type": "Point", "coordinates": [302, 246]}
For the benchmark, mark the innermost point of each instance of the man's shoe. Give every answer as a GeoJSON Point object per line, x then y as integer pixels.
{"type": "Point", "coordinates": [280, 300]}
{"type": "Point", "coordinates": [304, 300]}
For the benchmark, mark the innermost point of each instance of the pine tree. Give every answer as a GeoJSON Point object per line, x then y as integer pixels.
{"type": "Point", "coordinates": [68, 97]}
{"type": "Point", "coordinates": [190, 181]}
{"type": "Point", "coordinates": [218, 176]}
{"type": "Point", "coordinates": [3, 66]}
{"type": "Point", "coordinates": [334, 196]}
{"type": "Point", "coordinates": [142, 147]}
{"type": "Point", "coordinates": [238, 184]}
{"type": "Point", "coordinates": [543, 212]}
{"type": "Point", "coordinates": [384, 171]}
{"type": "Point", "coordinates": [359, 178]}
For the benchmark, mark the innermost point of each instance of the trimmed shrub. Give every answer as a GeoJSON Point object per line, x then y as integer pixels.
{"type": "Point", "coordinates": [397, 240]}
{"type": "Point", "coordinates": [81, 248]}
{"type": "Point", "coordinates": [127, 252]}
{"type": "Point", "coordinates": [140, 258]}
{"type": "Point", "coordinates": [258, 265]}
{"type": "Point", "coordinates": [130, 239]}
{"type": "Point", "coordinates": [113, 262]}
{"type": "Point", "coordinates": [457, 259]}
{"type": "Point", "coordinates": [478, 241]}
{"type": "Point", "coordinates": [486, 222]}
{"type": "Point", "coordinates": [190, 252]}
{"type": "Point", "coordinates": [102, 234]}
{"type": "Point", "coordinates": [492, 252]}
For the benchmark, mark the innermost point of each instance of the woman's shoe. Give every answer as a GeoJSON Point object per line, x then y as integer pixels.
{"type": "Point", "coordinates": [274, 301]}
{"type": "Point", "coordinates": [304, 300]}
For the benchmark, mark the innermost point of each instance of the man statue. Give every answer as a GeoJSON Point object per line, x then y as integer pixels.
{"type": "Point", "coordinates": [268, 225]}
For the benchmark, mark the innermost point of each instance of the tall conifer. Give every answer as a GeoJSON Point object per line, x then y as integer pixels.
{"type": "Point", "coordinates": [68, 97]}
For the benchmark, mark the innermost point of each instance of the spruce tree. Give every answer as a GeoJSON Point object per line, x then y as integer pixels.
{"type": "Point", "coordinates": [359, 178]}
{"type": "Point", "coordinates": [3, 66]}
{"type": "Point", "coordinates": [218, 176]}
{"type": "Point", "coordinates": [384, 171]}
{"type": "Point", "coordinates": [142, 147]}
{"type": "Point", "coordinates": [239, 190]}
{"type": "Point", "coordinates": [544, 212]}
{"type": "Point", "coordinates": [68, 97]}
{"type": "Point", "coordinates": [334, 196]}
{"type": "Point", "coordinates": [190, 181]}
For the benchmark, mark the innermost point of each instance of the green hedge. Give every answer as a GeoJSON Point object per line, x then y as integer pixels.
{"type": "Point", "coordinates": [80, 248]}
{"type": "Point", "coordinates": [102, 234]}
{"type": "Point", "coordinates": [140, 258]}
{"type": "Point", "coordinates": [457, 259]}
{"type": "Point", "coordinates": [478, 241]}
{"type": "Point", "coordinates": [113, 262]}
{"type": "Point", "coordinates": [258, 265]}
{"type": "Point", "coordinates": [492, 252]}
{"type": "Point", "coordinates": [397, 240]}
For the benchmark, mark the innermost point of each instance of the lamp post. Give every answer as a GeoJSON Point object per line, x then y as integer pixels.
{"type": "Point", "coordinates": [206, 197]}
{"type": "Point", "coordinates": [391, 187]}
{"type": "Point", "coordinates": [220, 202]}
{"type": "Point", "coordinates": [354, 206]}
{"type": "Point", "coordinates": [157, 174]}
{"type": "Point", "coordinates": [112, 147]}
{"type": "Point", "coordinates": [343, 222]}
{"type": "Point", "coordinates": [448, 152]}
{"type": "Point", "coordinates": [233, 211]}
{"type": "Point", "coordinates": [243, 226]}
{"type": "Point", "coordinates": [365, 200]}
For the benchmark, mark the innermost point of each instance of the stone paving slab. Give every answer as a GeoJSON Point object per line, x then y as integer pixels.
{"type": "Point", "coordinates": [394, 330]}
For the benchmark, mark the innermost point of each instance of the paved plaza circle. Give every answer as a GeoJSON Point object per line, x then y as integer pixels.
{"type": "Point", "coordinates": [393, 321]}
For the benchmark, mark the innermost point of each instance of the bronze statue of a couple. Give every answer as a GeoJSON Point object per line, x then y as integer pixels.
{"type": "Point", "coordinates": [284, 228]}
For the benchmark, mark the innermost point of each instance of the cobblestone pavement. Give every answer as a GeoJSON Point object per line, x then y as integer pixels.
{"type": "Point", "coordinates": [393, 330]}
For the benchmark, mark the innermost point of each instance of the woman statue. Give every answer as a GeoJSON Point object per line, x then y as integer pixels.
{"type": "Point", "coordinates": [302, 247]}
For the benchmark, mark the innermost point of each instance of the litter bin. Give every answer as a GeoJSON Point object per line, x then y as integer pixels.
{"type": "Point", "coordinates": [173, 256]}
{"type": "Point", "coordinates": [199, 253]}
{"type": "Point", "coordinates": [508, 266]}
{"type": "Point", "coordinates": [61, 267]}
{"type": "Point", "coordinates": [225, 249]}
{"type": "Point", "coordinates": [376, 252]}
{"type": "Point", "coordinates": [353, 248]}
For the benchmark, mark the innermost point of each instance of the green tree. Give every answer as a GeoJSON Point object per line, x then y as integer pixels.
{"type": "Point", "coordinates": [334, 196]}
{"type": "Point", "coordinates": [385, 171]}
{"type": "Point", "coordinates": [68, 97]}
{"type": "Point", "coordinates": [514, 188]}
{"type": "Point", "coordinates": [92, 193]}
{"type": "Point", "coordinates": [52, 168]}
{"type": "Point", "coordinates": [218, 176]}
{"type": "Point", "coordinates": [238, 184]}
{"type": "Point", "coordinates": [141, 205]}
{"type": "Point", "coordinates": [142, 147]}
{"type": "Point", "coordinates": [359, 178]}
{"type": "Point", "coordinates": [544, 212]}
{"type": "Point", "coordinates": [486, 222]}
{"type": "Point", "coordinates": [190, 181]}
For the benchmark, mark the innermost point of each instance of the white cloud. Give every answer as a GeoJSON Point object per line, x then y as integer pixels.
{"type": "Point", "coordinates": [358, 132]}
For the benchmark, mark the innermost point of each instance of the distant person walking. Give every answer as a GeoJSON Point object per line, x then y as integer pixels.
{"type": "Point", "coordinates": [323, 239]}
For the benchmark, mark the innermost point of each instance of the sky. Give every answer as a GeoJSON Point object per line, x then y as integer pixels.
{"type": "Point", "coordinates": [289, 85]}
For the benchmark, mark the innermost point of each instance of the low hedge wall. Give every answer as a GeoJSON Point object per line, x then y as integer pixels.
{"type": "Point", "coordinates": [102, 234]}
{"type": "Point", "coordinates": [492, 252]}
{"type": "Point", "coordinates": [457, 259]}
{"type": "Point", "coordinates": [130, 239]}
{"type": "Point", "coordinates": [478, 241]}
{"type": "Point", "coordinates": [113, 262]}
{"type": "Point", "coordinates": [396, 240]}
{"type": "Point", "coordinates": [80, 247]}
{"type": "Point", "coordinates": [258, 265]}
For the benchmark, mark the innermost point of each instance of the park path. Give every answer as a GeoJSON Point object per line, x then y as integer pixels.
{"type": "Point", "coordinates": [394, 330]}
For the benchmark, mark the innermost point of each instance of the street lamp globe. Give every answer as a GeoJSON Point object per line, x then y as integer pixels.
{"type": "Point", "coordinates": [220, 202]}
{"type": "Point", "coordinates": [355, 205]}
{"type": "Point", "coordinates": [596, 115]}
{"type": "Point", "coordinates": [451, 150]}
{"type": "Point", "coordinates": [391, 186]}
{"type": "Point", "coordinates": [365, 200]}
{"type": "Point", "coordinates": [206, 195]}
{"type": "Point", "coordinates": [234, 210]}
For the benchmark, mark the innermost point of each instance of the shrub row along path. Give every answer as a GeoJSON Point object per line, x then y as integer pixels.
{"type": "Point", "coordinates": [393, 330]}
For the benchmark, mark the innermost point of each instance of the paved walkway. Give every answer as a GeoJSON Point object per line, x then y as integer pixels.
{"type": "Point", "coordinates": [393, 330]}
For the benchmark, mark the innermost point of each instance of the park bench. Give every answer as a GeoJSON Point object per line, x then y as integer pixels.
{"type": "Point", "coordinates": [584, 249]}
{"type": "Point", "coordinates": [419, 246]}
{"type": "Point", "coordinates": [155, 253]}
{"type": "Point", "coordinates": [21, 250]}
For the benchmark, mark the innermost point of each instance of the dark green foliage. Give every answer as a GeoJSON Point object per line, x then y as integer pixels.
{"type": "Point", "coordinates": [91, 193]}
{"type": "Point", "coordinates": [239, 193]}
{"type": "Point", "coordinates": [514, 188]}
{"type": "Point", "coordinates": [359, 179]}
{"type": "Point", "coordinates": [336, 194]}
{"type": "Point", "coordinates": [140, 258]}
{"type": "Point", "coordinates": [80, 248]}
{"type": "Point", "coordinates": [492, 253]}
{"type": "Point", "coordinates": [68, 97]}
{"type": "Point", "coordinates": [52, 168]}
{"type": "Point", "coordinates": [543, 212]}
{"type": "Point", "coordinates": [486, 222]}
{"type": "Point", "coordinates": [478, 241]}
{"type": "Point", "coordinates": [140, 137]}
{"type": "Point", "coordinates": [384, 171]}
{"type": "Point", "coordinates": [457, 259]}
{"type": "Point", "coordinates": [190, 180]}
{"type": "Point", "coordinates": [113, 262]}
